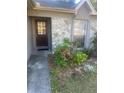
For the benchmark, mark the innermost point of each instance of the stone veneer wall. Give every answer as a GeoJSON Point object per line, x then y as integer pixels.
{"type": "Point", "coordinates": [61, 28]}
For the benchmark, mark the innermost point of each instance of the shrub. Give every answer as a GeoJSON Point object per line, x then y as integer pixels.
{"type": "Point", "coordinates": [66, 42]}
{"type": "Point", "coordinates": [79, 57]}
{"type": "Point", "coordinates": [64, 56]}
{"type": "Point", "coordinates": [59, 59]}
{"type": "Point", "coordinates": [88, 52]}
{"type": "Point", "coordinates": [94, 41]}
{"type": "Point", "coordinates": [92, 51]}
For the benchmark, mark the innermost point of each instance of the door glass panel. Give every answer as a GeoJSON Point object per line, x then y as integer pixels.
{"type": "Point", "coordinates": [41, 27]}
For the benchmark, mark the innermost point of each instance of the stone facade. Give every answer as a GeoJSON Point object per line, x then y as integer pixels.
{"type": "Point", "coordinates": [82, 29]}
{"type": "Point", "coordinates": [61, 28]}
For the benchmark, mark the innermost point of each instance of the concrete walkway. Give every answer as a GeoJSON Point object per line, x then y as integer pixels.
{"type": "Point", "coordinates": [38, 74]}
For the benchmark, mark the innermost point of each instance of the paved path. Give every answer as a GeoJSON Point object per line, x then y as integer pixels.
{"type": "Point", "coordinates": [38, 74]}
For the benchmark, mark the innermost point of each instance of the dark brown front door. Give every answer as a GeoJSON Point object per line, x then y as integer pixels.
{"type": "Point", "coordinates": [42, 33]}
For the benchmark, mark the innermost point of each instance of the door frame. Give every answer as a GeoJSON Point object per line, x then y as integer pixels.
{"type": "Point", "coordinates": [49, 32]}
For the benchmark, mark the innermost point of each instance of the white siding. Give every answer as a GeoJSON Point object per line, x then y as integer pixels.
{"type": "Point", "coordinates": [83, 12]}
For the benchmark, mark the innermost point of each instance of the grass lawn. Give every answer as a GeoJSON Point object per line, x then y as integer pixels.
{"type": "Point", "coordinates": [80, 79]}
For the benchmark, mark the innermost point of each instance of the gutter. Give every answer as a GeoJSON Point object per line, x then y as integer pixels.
{"type": "Point", "coordinates": [55, 9]}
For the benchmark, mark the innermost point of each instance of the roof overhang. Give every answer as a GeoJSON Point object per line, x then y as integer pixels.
{"type": "Point", "coordinates": [36, 6]}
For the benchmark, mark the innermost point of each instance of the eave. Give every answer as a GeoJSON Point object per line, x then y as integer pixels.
{"type": "Point", "coordinates": [54, 9]}
{"type": "Point", "coordinates": [36, 6]}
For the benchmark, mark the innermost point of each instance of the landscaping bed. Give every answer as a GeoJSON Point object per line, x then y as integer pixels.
{"type": "Point", "coordinates": [73, 70]}
{"type": "Point", "coordinates": [79, 79]}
